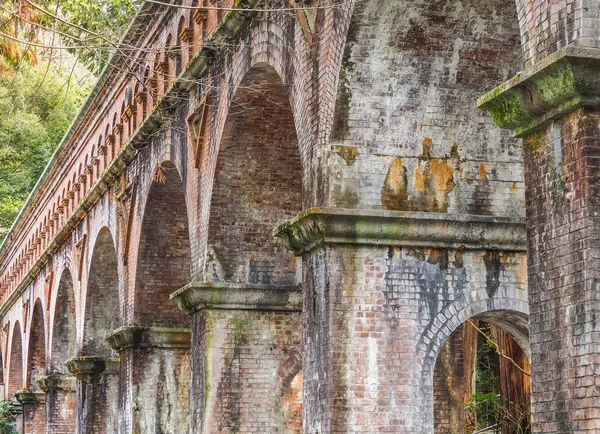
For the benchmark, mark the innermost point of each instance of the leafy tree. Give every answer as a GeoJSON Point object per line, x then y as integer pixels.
{"type": "Point", "coordinates": [38, 104]}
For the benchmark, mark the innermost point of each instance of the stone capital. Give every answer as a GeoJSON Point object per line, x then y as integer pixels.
{"type": "Point", "coordinates": [237, 296]}
{"type": "Point", "coordinates": [56, 381]}
{"type": "Point", "coordinates": [563, 82]}
{"type": "Point", "coordinates": [318, 227]}
{"type": "Point", "coordinates": [90, 365]}
{"type": "Point", "coordinates": [27, 397]}
{"type": "Point", "coordinates": [149, 337]}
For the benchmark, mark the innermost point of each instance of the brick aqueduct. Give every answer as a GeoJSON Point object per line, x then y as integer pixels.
{"type": "Point", "coordinates": [270, 219]}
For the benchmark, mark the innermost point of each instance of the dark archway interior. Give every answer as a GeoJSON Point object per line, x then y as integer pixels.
{"type": "Point", "coordinates": [164, 258]}
{"type": "Point", "coordinates": [64, 332]}
{"type": "Point", "coordinates": [15, 371]}
{"type": "Point", "coordinates": [36, 362]}
{"type": "Point", "coordinates": [481, 380]}
{"type": "Point", "coordinates": [102, 313]}
{"type": "Point", "coordinates": [257, 185]}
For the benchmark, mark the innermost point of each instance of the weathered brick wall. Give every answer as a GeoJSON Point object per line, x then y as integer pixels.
{"type": "Point", "coordinates": [248, 359]}
{"type": "Point", "coordinates": [562, 203]}
{"type": "Point", "coordinates": [102, 307]}
{"type": "Point", "coordinates": [449, 386]}
{"type": "Point", "coordinates": [257, 185]}
{"type": "Point", "coordinates": [405, 135]}
{"type": "Point", "coordinates": [60, 412]}
{"type": "Point", "coordinates": [375, 320]}
{"type": "Point", "coordinates": [36, 361]}
{"type": "Point", "coordinates": [160, 389]}
{"type": "Point", "coordinates": [64, 333]}
{"type": "Point", "coordinates": [546, 26]}
{"type": "Point", "coordinates": [15, 363]}
{"type": "Point", "coordinates": [163, 263]}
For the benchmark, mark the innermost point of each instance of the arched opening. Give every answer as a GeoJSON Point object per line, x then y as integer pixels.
{"type": "Point", "coordinates": [64, 328]}
{"type": "Point", "coordinates": [257, 185]}
{"type": "Point", "coordinates": [292, 406]}
{"type": "Point", "coordinates": [36, 361]}
{"type": "Point", "coordinates": [164, 257]}
{"type": "Point", "coordinates": [102, 309]}
{"type": "Point", "coordinates": [15, 370]}
{"type": "Point", "coordinates": [481, 378]}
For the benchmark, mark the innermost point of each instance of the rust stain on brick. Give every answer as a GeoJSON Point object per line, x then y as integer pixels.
{"type": "Point", "coordinates": [348, 153]}
{"type": "Point", "coordinates": [482, 170]}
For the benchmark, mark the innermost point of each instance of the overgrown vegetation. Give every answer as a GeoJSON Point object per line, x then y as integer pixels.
{"type": "Point", "coordinates": [42, 85]}
{"type": "Point", "coordinates": [490, 409]}
{"type": "Point", "coordinates": [7, 419]}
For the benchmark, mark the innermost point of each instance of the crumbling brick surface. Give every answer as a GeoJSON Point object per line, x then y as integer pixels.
{"type": "Point", "coordinates": [369, 107]}
{"type": "Point", "coordinates": [562, 203]}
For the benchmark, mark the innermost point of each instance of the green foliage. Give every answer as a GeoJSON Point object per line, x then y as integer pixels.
{"type": "Point", "coordinates": [487, 408]}
{"type": "Point", "coordinates": [107, 18]}
{"type": "Point", "coordinates": [37, 105]}
{"type": "Point", "coordinates": [7, 420]}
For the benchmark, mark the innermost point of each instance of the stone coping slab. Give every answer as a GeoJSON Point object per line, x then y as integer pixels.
{"type": "Point", "coordinates": [561, 83]}
{"type": "Point", "coordinates": [56, 381]}
{"type": "Point", "coordinates": [27, 397]}
{"type": "Point", "coordinates": [149, 337]}
{"type": "Point", "coordinates": [90, 365]}
{"type": "Point", "coordinates": [317, 227]}
{"type": "Point", "coordinates": [237, 296]}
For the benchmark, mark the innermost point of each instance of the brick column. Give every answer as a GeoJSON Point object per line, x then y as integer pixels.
{"type": "Point", "coordinates": [554, 107]}
{"type": "Point", "coordinates": [245, 353]}
{"type": "Point", "coordinates": [60, 402]}
{"type": "Point", "coordinates": [369, 299]}
{"type": "Point", "coordinates": [34, 411]}
{"type": "Point", "coordinates": [97, 390]}
{"type": "Point", "coordinates": [155, 377]}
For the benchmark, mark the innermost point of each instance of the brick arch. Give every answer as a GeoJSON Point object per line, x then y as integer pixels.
{"type": "Point", "coordinates": [64, 328]}
{"type": "Point", "coordinates": [509, 313]}
{"type": "Point", "coordinates": [257, 184]}
{"type": "Point", "coordinates": [15, 380]}
{"type": "Point", "coordinates": [102, 308]}
{"type": "Point", "coordinates": [36, 348]}
{"type": "Point", "coordinates": [268, 45]}
{"type": "Point", "coordinates": [164, 255]}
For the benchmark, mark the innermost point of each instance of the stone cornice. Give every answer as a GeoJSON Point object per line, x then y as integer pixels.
{"type": "Point", "coordinates": [317, 227]}
{"type": "Point", "coordinates": [149, 337]}
{"type": "Point", "coordinates": [28, 397]}
{"type": "Point", "coordinates": [56, 381]}
{"type": "Point", "coordinates": [208, 295]}
{"type": "Point", "coordinates": [561, 83]}
{"type": "Point", "coordinates": [90, 365]}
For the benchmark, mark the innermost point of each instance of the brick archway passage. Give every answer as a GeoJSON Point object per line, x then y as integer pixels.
{"type": "Point", "coordinates": [363, 111]}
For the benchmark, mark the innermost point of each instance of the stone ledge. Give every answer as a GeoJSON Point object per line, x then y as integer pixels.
{"type": "Point", "coordinates": [317, 227]}
{"type": "Point", "coordinates": [56, 381]}
{"type": "Point", "coordinates": [237, 296]}
{"type": "Point", "coordinates": [26, 397]}
{"type": "Point", "coordinates": [561, 83]}
{"type": "Point", "coordinates": [149, 337]}
{"type": "Point", "coordinates": [90, 365]}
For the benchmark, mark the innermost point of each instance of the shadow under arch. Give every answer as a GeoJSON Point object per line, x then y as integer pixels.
{"type": "Point", "coordinates": [257, 184]}
{"type": "Point", "coordinates": [164, 255]}
{"type": "Point", "coordinates": [36, 360]}
{"type": "Point", "coordinates": [15, 370]}
{"type": "Point", "coordinates": [64, 329]}
{"type": "Point", "coordinates": [102, 308]}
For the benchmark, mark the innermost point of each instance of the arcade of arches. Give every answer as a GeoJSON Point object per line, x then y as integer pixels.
{"type": "Point", "coordinates": [295, 220]}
